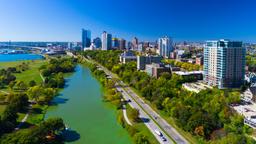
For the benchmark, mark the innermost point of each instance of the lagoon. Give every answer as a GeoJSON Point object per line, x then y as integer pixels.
{"type": "Point", "coordinates": [19, 57]}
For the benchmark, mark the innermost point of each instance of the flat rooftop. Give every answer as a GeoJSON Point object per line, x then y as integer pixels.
{"type": "Point", "coordinates": [188, 73]}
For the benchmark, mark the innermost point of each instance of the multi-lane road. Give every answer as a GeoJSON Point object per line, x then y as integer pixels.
{"type": "Point", "coordinates": [152, 126]}
{"type": "Point", "coordinates": [151, 118]}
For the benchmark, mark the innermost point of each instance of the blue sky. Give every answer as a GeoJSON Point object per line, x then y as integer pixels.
{"type": "Point", "coordinates": [190, 20]}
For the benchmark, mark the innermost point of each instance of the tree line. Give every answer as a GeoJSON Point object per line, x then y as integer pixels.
{"type": "Point", "coordinates": [206, 115]}
{"type": "Point", "coordinates": [41, 94]}
{"type": "Point", "coordinates": [185, 65]}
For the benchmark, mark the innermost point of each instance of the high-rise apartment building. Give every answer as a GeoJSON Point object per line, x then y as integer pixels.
{"type": "Point", "coordinates": [86, 38]}
{"type": "Point", "coordinates": [224, 63]}
{"type": "Point", "coordinates": [106, 41]}
{"type": "Point", "coordinates": [165, 46]}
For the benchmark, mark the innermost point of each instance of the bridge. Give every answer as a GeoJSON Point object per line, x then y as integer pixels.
{"type": "Point", "coordinates": [20, 46]}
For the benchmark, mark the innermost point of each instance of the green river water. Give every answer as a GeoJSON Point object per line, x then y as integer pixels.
{"type": "Point", "coordinates": [80, 105]}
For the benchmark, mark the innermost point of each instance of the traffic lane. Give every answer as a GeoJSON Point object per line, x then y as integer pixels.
{"type": "Point", "coordinates": [175, 135]}
{"type": "Point", "coordinates": [152, 126]}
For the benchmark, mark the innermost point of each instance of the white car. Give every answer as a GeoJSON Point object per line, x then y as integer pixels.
{"type": "Point", "coordinates": [158, 133]}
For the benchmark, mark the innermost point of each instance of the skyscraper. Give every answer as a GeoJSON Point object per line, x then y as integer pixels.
{"type": "Point", "coordinates": [224, 63]}
{"type": "Point", "coordinates": [165, 46]}
{"type": "Point", "coordinates": [106, 41]}
{"type": "Point", "coordinates": [122, 44]}
{"type": "Point", "coordinates": [135, 43]}
{"type": "Point", "coordinates": [115, 43]}
{"type": "Point", "coordinates": [86, 38]}
{"type": "Point", "coordinates": [97, 42]}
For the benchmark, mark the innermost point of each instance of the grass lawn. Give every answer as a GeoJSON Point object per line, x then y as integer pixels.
{"type": "Point", "coordinates": [143, 128]}
{"type": "Point", "coordinates": [31, 74]}
{"type": "Point", "coordinates": [37, 114]}
{"type": "Point", "coordinates": [20, 117]}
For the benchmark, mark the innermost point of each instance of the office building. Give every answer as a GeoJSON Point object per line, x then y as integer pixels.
{"type": "Point", "coordinates": [122, 44]}
{"type": "Point", "coordinates": [165, 46]}
{"type": "Point", "coordinates": [224, 63]}
{"type": "Point", "coordinates": [127, 57]}
{"type": "Point", "coordinates": [129, 45]}
{"type": "Point", "coordinates": [135, 43]}
{"type": "Point", "coordinates": [97, 42]}
{"type": "Point", "coordinates": [143, 60]}
{"type": "Point", "coordinates": [86, 38]}
{"type": "Point", "coordinates": [106, 41]}
{"type": "Point", "coordinates": [156, 69]}
{"type": "Point", "coordinates": [115, 43]}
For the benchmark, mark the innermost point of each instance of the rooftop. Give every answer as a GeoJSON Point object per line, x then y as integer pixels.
{"type": "Point", "coordinates": [188, 73]}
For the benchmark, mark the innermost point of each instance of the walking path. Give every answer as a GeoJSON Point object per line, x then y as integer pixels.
{"type": "Point", "coordinates": [125, 114]}
{"type": "Point", "coordinates": [42, 77]}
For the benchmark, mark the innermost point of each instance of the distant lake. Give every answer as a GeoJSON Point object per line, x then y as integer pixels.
{"type": "Point", "coordinates": [19, 57]}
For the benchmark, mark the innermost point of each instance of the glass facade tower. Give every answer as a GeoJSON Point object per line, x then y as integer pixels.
{"type": "Point", "coordinates": [224, 63]}
{"type": "Point", "coordinates": [86, 38]}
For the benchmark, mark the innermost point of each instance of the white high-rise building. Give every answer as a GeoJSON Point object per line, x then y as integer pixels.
{"type": "Point", "coordinates": [165, 46]}
{"type": "Point", "coordinates": [106, 41]}
{"type": "Point", "coordinates": [224, 63]}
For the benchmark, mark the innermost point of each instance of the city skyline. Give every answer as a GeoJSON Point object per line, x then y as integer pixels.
{"type": "Point", "coordinates": [182, 20]}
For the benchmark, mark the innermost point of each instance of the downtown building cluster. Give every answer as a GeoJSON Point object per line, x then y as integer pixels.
{"type": "Point", "coordinates": [163, 46]}
{"type": "Point", "coordinates": [223, 60]}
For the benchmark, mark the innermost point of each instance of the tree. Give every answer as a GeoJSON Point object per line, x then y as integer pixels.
{"type": "Point", "coordinates": [12, 84]}
{"type": "Point", "coordinates": [9, 113]}
{"type": "Point", "coordinates": [49, 94]}
{"type": "Point", "coordinates": [19, 101]}
{"type": "Point", "coordinates": [21, 85]}
{"type": "Point", "coordinates": [140, 138]}
{"type": "Point", "coordinates": [199, 131]}
{"type": "Point", "coordinates": [32, 83]}
{"type": "Point", "coordinates": [35, 92]}
{"type": "Point", "coordinates": [134, 115]}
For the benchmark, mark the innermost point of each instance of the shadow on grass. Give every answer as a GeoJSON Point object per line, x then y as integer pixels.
{"type": "Point", "coordinates": [36, 111]}
{"type": "Point", "coordinates": [25, 125]}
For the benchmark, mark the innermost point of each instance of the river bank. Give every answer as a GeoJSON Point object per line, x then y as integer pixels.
{"type": "Point", "coordinates": [137, 130]}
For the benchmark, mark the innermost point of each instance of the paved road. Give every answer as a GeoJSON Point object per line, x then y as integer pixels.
{"type": "Point", "coordinates": [164, 125]}
{"type": "Point", "coordinates": [152, 126]}
{"type": "Point", "coordinates": [150, 113]}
